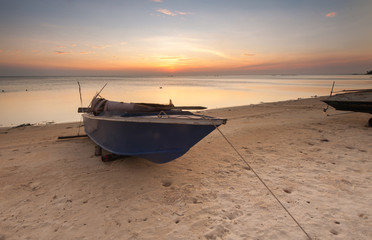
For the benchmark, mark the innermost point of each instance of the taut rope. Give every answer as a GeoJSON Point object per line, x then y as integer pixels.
{"type": "Point", "coordinates": [267, 187]}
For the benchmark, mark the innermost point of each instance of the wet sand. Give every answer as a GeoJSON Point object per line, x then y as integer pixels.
{"type": "Point", "coordinates": [320, 167]}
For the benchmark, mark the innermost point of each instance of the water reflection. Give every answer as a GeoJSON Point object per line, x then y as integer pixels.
{"type": "Point", "coordinates": [57, 99]}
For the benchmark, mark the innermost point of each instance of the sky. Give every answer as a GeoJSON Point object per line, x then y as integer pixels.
{"type": "Point", "coordinates": [182, 37]}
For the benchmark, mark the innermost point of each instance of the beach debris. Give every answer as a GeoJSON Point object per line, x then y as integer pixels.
{"type": "Point", "coordinates": [73, 136]}
{"type": "Point", "coordinates": [22, 125]}
{"type": "Point", "coordinates": [166, 183]}
{"type": "Point", "coordinates": [110, 157]}
{"type": "Point", "coordinates": [286, 190]}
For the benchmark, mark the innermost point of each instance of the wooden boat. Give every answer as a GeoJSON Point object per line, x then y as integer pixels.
{"type": "Point", "coordinates": [352, 100]}
{"type": "Point", "coordinates": [159, 133]}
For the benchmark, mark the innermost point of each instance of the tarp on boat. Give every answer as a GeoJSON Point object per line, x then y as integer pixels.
{"type": "Point", "coordinates": [100, 105]}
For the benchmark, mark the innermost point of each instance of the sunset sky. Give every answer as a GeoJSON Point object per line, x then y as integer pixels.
{"type": "Point", "coordinates": [147, 37]}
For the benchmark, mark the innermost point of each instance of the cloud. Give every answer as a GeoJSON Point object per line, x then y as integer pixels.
{"type": "Point", "coordinates": [170, 13]}
{"type": "Point", "coordinates": [172, 57]}
{"type": "Point", "coordinates": [178, 59]}
{"type": "Point", "coordinates": [248, 54]}
{"type": "Point", "coordinates": [183, 13]}
{"type": "Point", "coordinates": [1, 51]}
{"type": "Point", "coordinates": [102, 46]}
{"type": "Point", "coordinates": [61, 52]}
{"type": "Point", "coordinates": [123, 43]}
{"type": "Point", "coordinates": [166, 12]}
{"type": "Point", "coordinates": [331, 14]}
{"type": "Point", "coordinates": [210, 51]}
{"type": "Point", "coordinates": [157, 1]}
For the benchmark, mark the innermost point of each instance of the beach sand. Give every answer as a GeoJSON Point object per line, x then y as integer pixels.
{"type": "Point", "coordinates": [319, 167]}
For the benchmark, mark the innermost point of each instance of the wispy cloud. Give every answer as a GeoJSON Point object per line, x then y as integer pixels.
{"type": "Point", "coordinates": [331, 14]}
{"type": "Point", "coordinates": [210, 51]}
{"type": "Point", "coordinates": [176, 58]}
{"type": "Point", "coordinates": [171, 57]}
{"type": "Point", "coordinates": [157, 1]}
{"type": "Point", "coordinates": [123, 43]}
{"type": "Point", "coordinates": [248, 54]}
{"type": "Point", "coordinates": [166, 12]}
{"type": "Point", "coordinates": [61, 52]}
{"type": "Point", "coordinates": [183, 13]}
{"type": "Point", "coordinates": [170, 13]}
{"type": "Point", "coordinates": [102, 46]}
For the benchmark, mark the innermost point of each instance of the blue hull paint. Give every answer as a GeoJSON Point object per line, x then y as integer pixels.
{"type": "Point", "coordinates": [157, 142]}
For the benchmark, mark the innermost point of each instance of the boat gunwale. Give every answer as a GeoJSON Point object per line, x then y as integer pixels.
{"type": "Point", "coordinates": [164, 119]}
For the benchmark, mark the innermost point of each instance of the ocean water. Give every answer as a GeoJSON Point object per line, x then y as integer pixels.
{"type": "Point", "coordinates": [40, 100]}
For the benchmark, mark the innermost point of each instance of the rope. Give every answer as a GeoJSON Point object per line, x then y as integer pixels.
{"type": "Point", "coordinates": [81, 120]}
{"type": "Point", "coordinates": [271, 192]}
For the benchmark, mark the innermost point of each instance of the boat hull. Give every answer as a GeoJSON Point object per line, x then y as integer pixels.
{"type": "Point", "coordinates": [355, 106]}
{"type": "Point", "coordinates": [157, 140]}
{"type": "Point", "coordinates": [352, 100]}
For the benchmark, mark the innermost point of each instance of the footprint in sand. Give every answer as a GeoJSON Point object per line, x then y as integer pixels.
{"type": "Point", "coordinates": [33, 186]}
{"type": "Point", "coordinates": [234, 214]}
{"type": "Point", "coordinates": [166, 183]}
{"type": "Point", "coordinates": [217, 233]}
{"type": "Point", "coordinates": [363, 216]}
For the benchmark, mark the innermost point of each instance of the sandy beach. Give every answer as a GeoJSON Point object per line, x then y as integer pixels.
{"type": "Point", "coordinates": [319, 167]}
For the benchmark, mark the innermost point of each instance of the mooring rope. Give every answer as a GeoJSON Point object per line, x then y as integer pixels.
{"type": "Point", "coordinates": [80, 124]}
{"type": "Point", "coordinates": [267, 187]}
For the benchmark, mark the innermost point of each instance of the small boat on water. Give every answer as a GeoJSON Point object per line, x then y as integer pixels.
{"type": "Point", "coordinates": [157, 132]}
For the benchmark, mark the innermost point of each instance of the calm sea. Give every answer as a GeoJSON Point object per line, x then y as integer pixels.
{"type": "Point", "coordinates": [39, 100]}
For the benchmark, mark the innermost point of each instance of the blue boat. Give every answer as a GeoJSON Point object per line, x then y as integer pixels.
{"type": "Point", "coordinates": [159, 133]}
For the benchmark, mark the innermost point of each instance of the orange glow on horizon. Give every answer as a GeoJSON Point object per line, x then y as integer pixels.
{"type": "Point", "coordinates": [202, 61]}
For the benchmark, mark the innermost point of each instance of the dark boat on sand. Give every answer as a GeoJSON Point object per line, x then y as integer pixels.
{"type": "Point", "coordinates": [352, 100]}
{"type": "Point", "coordinates": [159, 133]}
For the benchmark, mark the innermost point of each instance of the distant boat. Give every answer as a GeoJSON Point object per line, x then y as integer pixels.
{"type": "Point", "coordinates": [159, 133]}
